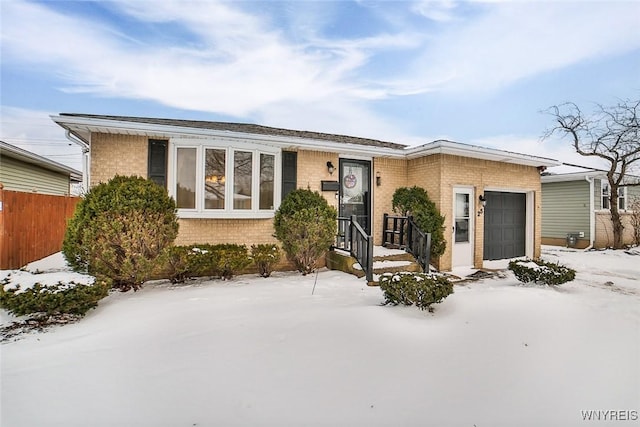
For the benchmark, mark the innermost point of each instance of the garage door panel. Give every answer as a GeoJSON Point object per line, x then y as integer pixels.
{"type": "Point", "coordinates": [505, 225]}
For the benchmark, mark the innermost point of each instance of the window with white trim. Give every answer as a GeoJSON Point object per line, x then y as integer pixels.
{"type": "Point", "coordinates": [212, 180]}
{"type": "Point", "coordinates": [622, 198]}
{"type": "Point", "coordinates": [604, 186]}
{"type": "Point", "coordinates": [606, 194]}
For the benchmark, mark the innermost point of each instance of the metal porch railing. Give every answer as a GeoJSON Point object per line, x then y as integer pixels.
{"type": "Point", "coordinates": [402, 232]}
{"type": "Point", "coordinates": [352, 238]}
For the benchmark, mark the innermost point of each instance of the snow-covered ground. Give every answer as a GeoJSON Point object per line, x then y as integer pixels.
{"type": "Point", "coordinates": [277, 352]}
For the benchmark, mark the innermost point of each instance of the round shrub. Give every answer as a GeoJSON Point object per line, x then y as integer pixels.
{"type": "Point", "coordinates": [119, 229]}
{"type": "Point", "coordinates": [541, 272]}
{"type": "Point", "coordinates": [60, 298]}
{"type": "Point", "coordinates": [419, 289]}
{"type": "Point", "coordinates": [265, 257]}
{"type": "Point", "coordinates": [414, 201]}
{"type": "Point", "coordinates": [306, 225]}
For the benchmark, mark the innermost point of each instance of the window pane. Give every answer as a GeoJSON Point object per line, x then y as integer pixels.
{"type": "Point", "coordinates": [462, 230]}
{"type": "Point", "coordinates": [214, 179]}
{"type": "Point", "coordinates": [605, 194]}
{"type": "Point", "coordinates": [266, 181]}
{"type": "Point", "coordinates": [243, 165]}
{"type": "Point", "coordinates": [462, 205]}
{"type": "Point", "coordinates": [186, 178]}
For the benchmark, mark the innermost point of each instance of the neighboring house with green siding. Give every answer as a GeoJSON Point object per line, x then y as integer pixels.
{"type": "Point", "coordinates": [575, 210]}
{"type": "Point", "coordinates": [21, 170]}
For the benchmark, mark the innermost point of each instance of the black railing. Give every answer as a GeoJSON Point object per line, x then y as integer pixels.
{"type": "Point", "coordinates": [403, 233]}
{"type": "Point", "coordinates": [352, 238]}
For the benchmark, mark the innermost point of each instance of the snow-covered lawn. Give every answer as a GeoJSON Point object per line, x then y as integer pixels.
{"type": "Point", "coordinates": [268, 352]}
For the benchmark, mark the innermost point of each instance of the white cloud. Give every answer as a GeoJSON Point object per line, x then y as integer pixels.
{"type": "Point", "coordinates": [436, 10]}
{"type": "Point", "coordinates": [515, 40]}
{"type": "Point", "coordinates": [237, 66]}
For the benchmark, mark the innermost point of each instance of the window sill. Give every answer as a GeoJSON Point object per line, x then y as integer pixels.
{"type": "Point", "coordinates": [187, 214]}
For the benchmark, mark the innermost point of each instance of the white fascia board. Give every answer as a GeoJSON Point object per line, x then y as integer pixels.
{"type": "Point", "coordinates": [80, 124]}
{"type": "Point", "coordinates": [574, 176]}
{"type": "Point", "coordinates": [483, 153]}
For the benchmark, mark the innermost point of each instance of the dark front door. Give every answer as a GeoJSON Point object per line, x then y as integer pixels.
{"type": "Point", "coordinates": [504, 225]}
{"type": "Point", "coordinates": [355, 194]}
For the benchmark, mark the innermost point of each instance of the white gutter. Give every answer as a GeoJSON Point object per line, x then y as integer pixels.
{"type": "Point", "coordinates": [592, 212]}
{"type": "Point", "coordinates": [86, 155]}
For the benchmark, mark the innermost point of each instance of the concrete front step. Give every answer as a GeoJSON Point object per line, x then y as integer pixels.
{"type": "Point", "coordinates": [384, 263]}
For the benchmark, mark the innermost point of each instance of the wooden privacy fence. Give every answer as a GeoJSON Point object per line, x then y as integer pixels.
{"type": "Point", "coordinates": [32, 226]}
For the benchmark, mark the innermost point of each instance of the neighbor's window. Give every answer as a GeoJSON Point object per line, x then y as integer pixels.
{"type": "Point", "coordinates": [606, 194]}
{"type": "Point", "coordinates": [224, 182]}
{"type": "Point", "coordinates": [622, 198]}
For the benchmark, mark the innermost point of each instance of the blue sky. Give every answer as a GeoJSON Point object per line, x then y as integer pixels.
{"type": "Point", "coordinates": [476, 72]}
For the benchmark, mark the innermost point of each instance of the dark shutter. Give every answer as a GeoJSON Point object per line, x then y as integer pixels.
{"type": "Point", "coordinates": [158, 161]}
{"type": "Point", "coordinates": [289, 172]}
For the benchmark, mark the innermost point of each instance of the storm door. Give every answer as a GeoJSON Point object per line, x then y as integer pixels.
{"type": "Point", "coordinates": [355, 194]}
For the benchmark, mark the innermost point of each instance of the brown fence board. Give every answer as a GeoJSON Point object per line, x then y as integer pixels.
{"type": "Point", "coordinates": [32, 226]}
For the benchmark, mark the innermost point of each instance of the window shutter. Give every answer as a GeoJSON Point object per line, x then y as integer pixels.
{"type": "Point", "coordinates": [289, 172]}
{"type": "Point", "coordinates": [157, 168]}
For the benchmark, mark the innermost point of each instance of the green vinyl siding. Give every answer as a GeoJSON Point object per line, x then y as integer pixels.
{"type": "Point", "coordinates": [16, 175]}
{"type": "Point", "coordinates": [632, 194]}
{"type": "Point", "coordinates": [565, 209]}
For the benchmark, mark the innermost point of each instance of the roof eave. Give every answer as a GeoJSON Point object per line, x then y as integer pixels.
{"type": "Point", "coordinates": [482, 153]}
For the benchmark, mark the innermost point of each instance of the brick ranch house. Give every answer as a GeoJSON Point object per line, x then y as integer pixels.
{"type": "Point", "coordinates": [229, 178]}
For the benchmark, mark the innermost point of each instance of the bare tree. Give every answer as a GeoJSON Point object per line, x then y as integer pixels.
{"type": "Point", "coordinates": [610, 133]}
{"type": "Point", "coordinates": [635, 219]}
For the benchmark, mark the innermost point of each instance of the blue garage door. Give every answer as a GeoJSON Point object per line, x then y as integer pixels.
{"type": "Point", "coordinates": [504, 225]}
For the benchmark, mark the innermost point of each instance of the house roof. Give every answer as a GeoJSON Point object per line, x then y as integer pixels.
{"type": "Point", "coordinates": [242, 128]}
{"type": "Point", "coordinates": [579, 176]}
{"type": "Point", "coordinates": [82, 125]}
{"type": "Point", "coordinates": [11, 151]}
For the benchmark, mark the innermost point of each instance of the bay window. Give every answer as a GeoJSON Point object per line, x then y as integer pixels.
{"type": "Point", "coordinates": [210, 180]}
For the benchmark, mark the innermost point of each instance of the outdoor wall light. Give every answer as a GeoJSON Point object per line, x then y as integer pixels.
{"type": "Point", "coordinates": [330, 167]}
{"type": "Point", "coordinates": [483, 203]}
{"type": "Point", "coordinates": [378, 179]}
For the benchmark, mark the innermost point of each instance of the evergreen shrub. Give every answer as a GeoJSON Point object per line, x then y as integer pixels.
{"type": "Point", "coordinates": [222, 261]}
{"type": "Point", "coordinates": [306, 226]}
{"type": "Point", "coordinates": [61, 298]}
{"type": "Point", "coordinates": [419, 289]}
{"type": "Point", "coordinates": [265, 257]}
{"type": "Point", "coordinates": [414, 201]}
{"type": "Point", "coordinates": [541, 272]}
{"type": "Point", "coordinates": [119, 229]}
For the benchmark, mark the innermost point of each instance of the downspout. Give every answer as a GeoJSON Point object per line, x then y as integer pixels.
{"type": "Point", "coordinates": [86, 171]}
{"type": "Point", "coordinates": [592, 213]}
